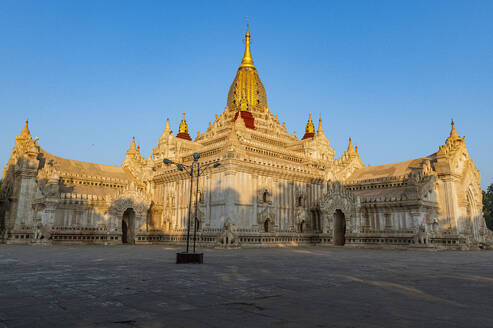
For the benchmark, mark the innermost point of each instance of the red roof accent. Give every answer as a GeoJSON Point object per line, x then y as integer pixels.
{"type": "Point", "coordinates": [184, 136]}
{"type": "Point", "coordinates": [247, 118]}
{"type": "Point", "coordinates": [308, 136]}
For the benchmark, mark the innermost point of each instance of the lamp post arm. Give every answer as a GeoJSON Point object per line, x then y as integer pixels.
{"type": "Point", "coordinates": [206, 167]}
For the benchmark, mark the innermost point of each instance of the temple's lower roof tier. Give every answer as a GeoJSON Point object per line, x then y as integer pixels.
{"type": "Point", "coordinates": [400, 169]}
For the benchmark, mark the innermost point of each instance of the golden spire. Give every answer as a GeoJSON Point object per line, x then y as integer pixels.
{"type": "Point", "coordinates": [183, 125]}
{"type": "Point", "coordinates": [320, 130]}
{"type": "Point", "coordinates": [247, 60]}
{"type": "Point", "coordinates": [310, 128]}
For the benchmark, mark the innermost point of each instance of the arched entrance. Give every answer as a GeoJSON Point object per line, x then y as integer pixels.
{"type": "Point", "coordinates": [128, 223]}
{"type": "Point", "coordinates": [339, 228]}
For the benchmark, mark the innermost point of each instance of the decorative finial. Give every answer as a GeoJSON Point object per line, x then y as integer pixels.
{"type": "Point", "coordinates": [247, 60]}
{"type": "Point", "coordinates": [350, 148]}
{"type": "Point", "coordinates": [310, 128]}
{"type": "Point", "coordinates": [183, 125]}
{"type": "Point", "coordinates": [25, 131]}
{"type": "Point", "coordinates": [183, 131]}
{"type": "Point", "coordinates": [453, 132]}
{"type": "Point", "coordinates": [320, 130]}
{"type": "Point", "coordinates": [133, 148]}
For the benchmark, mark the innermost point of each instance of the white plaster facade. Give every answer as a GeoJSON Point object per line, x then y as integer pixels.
{"type": "Point", "coordinates": [271, 189]}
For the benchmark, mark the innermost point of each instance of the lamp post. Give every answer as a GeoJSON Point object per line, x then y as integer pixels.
{"type": "Point", "coordinates": [214, 165]}
{"type": "Point", "coordinates": [187, 257]}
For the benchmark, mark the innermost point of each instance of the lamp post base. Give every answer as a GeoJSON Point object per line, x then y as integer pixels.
{"type": "Point", "coordinates": [184, 257]}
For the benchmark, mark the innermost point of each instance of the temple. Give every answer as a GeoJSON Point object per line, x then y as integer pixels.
{"type": "Point", "coordinates": [272, 188]}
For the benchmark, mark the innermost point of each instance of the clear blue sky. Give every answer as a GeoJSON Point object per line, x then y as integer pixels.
{"type": "Point", "coordinates": [391, 74]}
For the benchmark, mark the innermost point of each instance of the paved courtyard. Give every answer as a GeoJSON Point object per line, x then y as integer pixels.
{"type": "Point", "coordinates": [140, 286]}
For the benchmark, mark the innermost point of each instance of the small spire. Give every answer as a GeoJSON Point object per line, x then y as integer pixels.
{"type": "Point", "coordinates": [183, 131]}
{"type": "Point", "coordinates": [133, 148]}
{"type": "Point", "coordinates": [166, 131]}
{"type": "Point", "coordinates": [247, 60]}
{"type": "Point", "coordinates": [183, 125]}
{"type": "Point", "coordinates": [25, 131]}
{"type": "Point", "coordinates": [320, 130]}
{"type": "Point", "coordinates": [453, 132]}
{"type": "Point", "coordinates": [166, 127]}
{"type": "Point", "coordinates": [310, 128]}
{"type": "Point", "coordinates": [350, 148]}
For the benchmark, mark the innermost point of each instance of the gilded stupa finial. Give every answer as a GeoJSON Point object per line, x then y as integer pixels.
{"type": "Point", "coordinates": [320, 130]}
{"type": "Point", "coordinates": [183, 131]}
{"type": "Point", "coordinates": [183, 125]}
{"type": "Point", "coordinates": [310, 128]}
{"type": "Point", "coordinates": [247, 60]}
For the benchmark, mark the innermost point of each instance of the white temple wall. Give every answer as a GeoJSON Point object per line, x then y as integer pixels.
{"type": "Point", "coordinates": [448, 204]}
{"type": "Point", "coordinates": [27, 190]}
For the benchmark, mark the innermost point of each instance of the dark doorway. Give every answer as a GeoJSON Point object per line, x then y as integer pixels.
{"type": "Point", "coordinates": [267, 225]}
{"type": "Point", "coordinates": [124, 232]}
{"type": "Point", "coordinates": [316, 226]}
{"type": "Point", "coordinates": [128, 224]}
{"type": "Point", "coordinates": [339, 228]}
{"type": "Point", "coordinates": [302, 225]}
